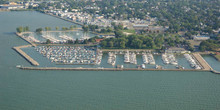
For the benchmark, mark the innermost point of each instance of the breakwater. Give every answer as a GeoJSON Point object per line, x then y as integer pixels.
{"type": "Point", "coordinates": [202, 62]}
{"type": "Point", "coordinates": [21, 36]}
{"type": "Point", "coordinates": [23, 54]}
{"type": "Point", "coordinates": [103, 69]}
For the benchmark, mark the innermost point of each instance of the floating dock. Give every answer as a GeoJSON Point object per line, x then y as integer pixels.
{"type": "Point", "coordinates": [27, 57]}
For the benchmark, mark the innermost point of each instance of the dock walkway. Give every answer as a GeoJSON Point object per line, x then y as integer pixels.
{"type": "Point", "coordinates": [27, 57]}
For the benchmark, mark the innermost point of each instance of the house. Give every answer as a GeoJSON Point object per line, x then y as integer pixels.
{"type": "Point", "coordinates": [98, 40]}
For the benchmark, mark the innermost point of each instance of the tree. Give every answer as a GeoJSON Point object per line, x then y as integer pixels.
{"type": "Point", "coordinates": [110, 44]}
{"type": "Point", "coordinates": [77, 41]}
{"type": "Point", "coordinates": [19, 29]}
{"type": "Point", "coordinates": [27, 28]}
{"type": "Point", "coordinates": [64, 28]}
{"type": "Point", "coordinates": [104, 43]}
{"type": "Point", "coordinates": [48, 41]}
{"type": "Point", "coordinates": [70, 41]}
{"type": "Point", "coordinates": [47, 28]}
{"type": "Point", "coordinates": [39, 30]}
{"type": "Point", "coordinates": [57, 28]}
{"type": "Point", "coordinates": [85, 28]}
{"type": "Point", "coordinates": [119, 34]}
{"type": "Point", "coordinates": [71, 27]}
{"type": "Point", "coordinates": [122, 44]}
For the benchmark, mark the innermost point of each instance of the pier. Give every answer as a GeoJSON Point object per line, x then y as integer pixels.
{"type": "Point", "coordinates": [202, 62]}
{"type": "Point", "coordinates": [23, 54]}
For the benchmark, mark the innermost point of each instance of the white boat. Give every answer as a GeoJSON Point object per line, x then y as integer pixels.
{"type": "Point", "coordinates": [143, 66]}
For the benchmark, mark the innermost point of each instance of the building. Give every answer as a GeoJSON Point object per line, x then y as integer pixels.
{"type": "Point", "coordinates": [98, 40]}
{"type": "Point", "coordinates": [201, 38]}
{"type": "Point", "coordinates": [7, 6]}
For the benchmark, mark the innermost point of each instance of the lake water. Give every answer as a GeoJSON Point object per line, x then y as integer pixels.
{"type": "Point", "coordinates": [95, 90]}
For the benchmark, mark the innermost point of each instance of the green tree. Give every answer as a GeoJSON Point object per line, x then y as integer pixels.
{"type": "Point", "coordinates": [19, 29]}
{"type": "Point", "coordinates": [77, 41]}
{"type": "Point", "coordinates": [57, 28]}
{"type": "Point", "coordinates": [48, 41]}
{"type": "Point", "coordinates": [27, 28]}
{"type": "Point", "coordinates": [104, 43]}
{"type": "Point", "coordinates": [111, 44]}
{"type": "Point", "coordinates": [39, 30]}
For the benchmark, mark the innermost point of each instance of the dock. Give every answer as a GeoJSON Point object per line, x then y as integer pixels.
{"type": "Point", "coordinates": [202, 62]}
{"type": "Point", "coordinates": [23, 54]}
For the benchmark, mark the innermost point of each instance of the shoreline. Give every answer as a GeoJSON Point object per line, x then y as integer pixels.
{"type": "Point", "coordinates": [62, 18]}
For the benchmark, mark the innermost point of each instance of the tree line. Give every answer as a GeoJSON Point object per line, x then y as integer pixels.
{"type": "Point", "coordinates": [22, 29]}
{"type": "Point", "coordinates": [151, 41]}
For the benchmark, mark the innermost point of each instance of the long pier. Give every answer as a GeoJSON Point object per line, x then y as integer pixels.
{"type": "Point", "coordinates": [104, 69]}
{"type": "Point", "coordinates": [27, 57]}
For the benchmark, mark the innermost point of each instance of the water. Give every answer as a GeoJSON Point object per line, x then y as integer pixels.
{"type": "Point", "coordinates": [72, 34]}
{"type": "Point", "coordinates": [95, 90]}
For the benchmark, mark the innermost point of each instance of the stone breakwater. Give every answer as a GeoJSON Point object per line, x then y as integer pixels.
{"type": "Point", "coordinates": [23, 54]}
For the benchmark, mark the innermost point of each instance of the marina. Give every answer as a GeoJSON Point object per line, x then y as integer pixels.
{"type": "Point", "coordinates": [69, 55]}
{"type": "Point", "coordinates": [111, 58]}
{"type": "Point", "coordinates": [74, 55]}
{"type": "Point", "coordinates": [169, 59]}
{"type": "Point", "coordinates": [130, 57]}
{"type": "Point", "coordinates": [79, 55]}
{"type": "Point", "coordinates": [56, 37]}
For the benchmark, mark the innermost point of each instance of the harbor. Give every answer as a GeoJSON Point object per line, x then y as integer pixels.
{"type": "Point", "coordinates": [68, 55]}
{"type": "Point", "coordinates": [62, 54]}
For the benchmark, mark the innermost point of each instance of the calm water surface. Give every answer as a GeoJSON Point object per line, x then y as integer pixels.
{"type": "Point", "coordinates": [104, 90]}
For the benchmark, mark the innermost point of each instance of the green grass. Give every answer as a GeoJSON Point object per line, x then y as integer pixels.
{"type": "Point", "coordinates": [129, 31]}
